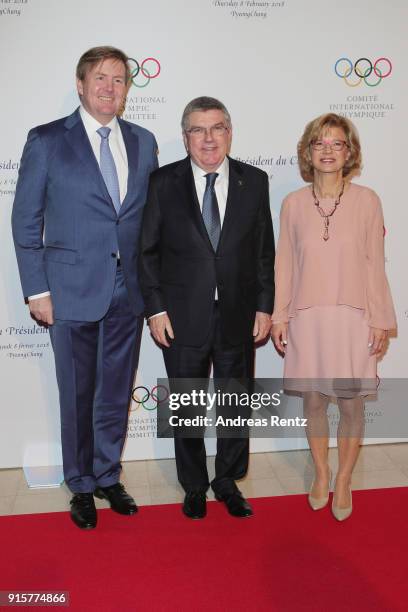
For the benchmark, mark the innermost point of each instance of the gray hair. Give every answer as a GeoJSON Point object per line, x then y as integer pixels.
{"type": "Point", "coordinates": [203, 103]}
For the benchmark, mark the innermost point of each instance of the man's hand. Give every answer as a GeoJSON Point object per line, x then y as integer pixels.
{"type": "Point", "coordinates": [279, 335]}
{"type": "Point", "coordinates": [159, 326]}
{"type": "Point", "coordinates": [262, 326]}
{"type": "Point", "coordinates": [41, 309]}
{"type": "Point", "coordinates": [376, 340]}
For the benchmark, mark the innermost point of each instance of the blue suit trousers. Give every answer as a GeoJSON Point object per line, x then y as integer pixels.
{"type": "Point", "coordinates": [95, 366]}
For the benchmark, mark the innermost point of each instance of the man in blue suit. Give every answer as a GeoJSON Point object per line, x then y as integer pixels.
{"type": "Point", "coordinates": [76, 221]}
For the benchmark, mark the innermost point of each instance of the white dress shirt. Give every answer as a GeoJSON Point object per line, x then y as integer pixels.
{"type": "Point", "coordinates": [221, 191]}
{"type": "Point", "coordinates": [221, 185]}
{"type": "Point", "coordinates": [118, 149]}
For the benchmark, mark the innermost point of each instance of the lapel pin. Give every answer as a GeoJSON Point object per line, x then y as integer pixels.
{"type": "Point", "coordinates": [240, 183]}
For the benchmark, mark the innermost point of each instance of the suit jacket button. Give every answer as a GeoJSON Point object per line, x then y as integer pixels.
{"type": "Point", "coordinates": [113, 255]}
{"type": "Point", "coordinates": [117, 222]}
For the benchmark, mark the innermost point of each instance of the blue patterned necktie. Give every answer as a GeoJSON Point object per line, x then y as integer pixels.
{"type": "Point", "coordinates": [108, 168]}
{"type": "Point", "coordinates": [211, 213]}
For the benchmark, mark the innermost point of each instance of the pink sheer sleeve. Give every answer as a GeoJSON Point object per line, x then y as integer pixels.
{"type": "Point", "coordinates": [380, 306]}
{"type": "Point", "coordinates": [283, 268]}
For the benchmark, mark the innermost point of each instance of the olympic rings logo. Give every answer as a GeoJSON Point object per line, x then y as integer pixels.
{"type": "Point", "coordinates": [364, 69]}
{"type": "Point", "coordinates": [143, 72]}
{"type": "Point", "coordinates": [149, 399]}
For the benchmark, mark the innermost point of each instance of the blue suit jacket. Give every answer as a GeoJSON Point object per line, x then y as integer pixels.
{"type": "Point", "coordinates": [65, 227]}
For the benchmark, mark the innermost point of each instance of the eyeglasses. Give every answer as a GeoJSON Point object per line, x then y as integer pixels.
{"type": "Point", "coordinates": [215, 131]}
{"type": "Point", "coordinates": [335, 145]}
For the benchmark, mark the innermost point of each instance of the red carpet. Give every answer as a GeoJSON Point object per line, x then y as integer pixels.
{"type": "Point", "coordinates": [286, 558]}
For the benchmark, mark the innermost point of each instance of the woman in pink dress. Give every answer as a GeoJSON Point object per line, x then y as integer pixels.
{"type": "Point", "coordinates": [333, 305]}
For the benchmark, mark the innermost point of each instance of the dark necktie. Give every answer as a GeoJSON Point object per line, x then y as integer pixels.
{"type": "Point", "coordinates": [108, 168]}
{"type": "Point", "coordinates": [211, 213]}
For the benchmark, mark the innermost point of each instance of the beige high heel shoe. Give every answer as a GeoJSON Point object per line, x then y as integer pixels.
{"type": "Point", "coordinates": [341, 514]}
{"type": "Point", "coordinates": [317, 503]}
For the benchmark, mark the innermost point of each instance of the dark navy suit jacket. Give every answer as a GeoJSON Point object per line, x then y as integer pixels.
{"type": "Point", "coordinates": [65, 228]}
{"type": "Point", "coordinates": [179, 269]}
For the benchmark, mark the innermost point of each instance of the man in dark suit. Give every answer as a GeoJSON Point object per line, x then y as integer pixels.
{"type": "Point", "coordinates": [76, 220]}
{"type": "Point", "coordinates": [206, 272]}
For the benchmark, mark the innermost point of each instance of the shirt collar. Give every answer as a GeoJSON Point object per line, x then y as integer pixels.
{"type": "Point", "coordinates": [222, 170]}
{"type": "Point", "coordinates": [91, 124]}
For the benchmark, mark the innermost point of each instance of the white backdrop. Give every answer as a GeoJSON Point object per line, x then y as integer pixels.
{"type": "Point", "coordinates": [273, 65]}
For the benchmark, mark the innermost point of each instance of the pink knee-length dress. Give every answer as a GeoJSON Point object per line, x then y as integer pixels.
{"type": "Point", "coordinates": [331, 292]}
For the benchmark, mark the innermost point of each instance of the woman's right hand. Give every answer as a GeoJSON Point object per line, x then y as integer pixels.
{"type": "Point", "coordinates": [279, 335]}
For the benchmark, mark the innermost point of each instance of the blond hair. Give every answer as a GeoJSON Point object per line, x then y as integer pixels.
{"type": "Point", "coordinates": [315, 130]}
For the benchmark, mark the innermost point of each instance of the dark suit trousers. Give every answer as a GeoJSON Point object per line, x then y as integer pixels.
{"type": "Point", "coordinates": [95, 365]}
{"type": "Point", "coordinates": [231, 462]}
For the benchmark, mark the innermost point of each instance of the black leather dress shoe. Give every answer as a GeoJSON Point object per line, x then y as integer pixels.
{"type": "Point", "coordinates": [195, 505]}
{"type": "Point", "coordinates": [119, 500]}
{"type": "Point", "coordinates": [236, 504]}
{"type": "Point", "coordinates": [83, 511]}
